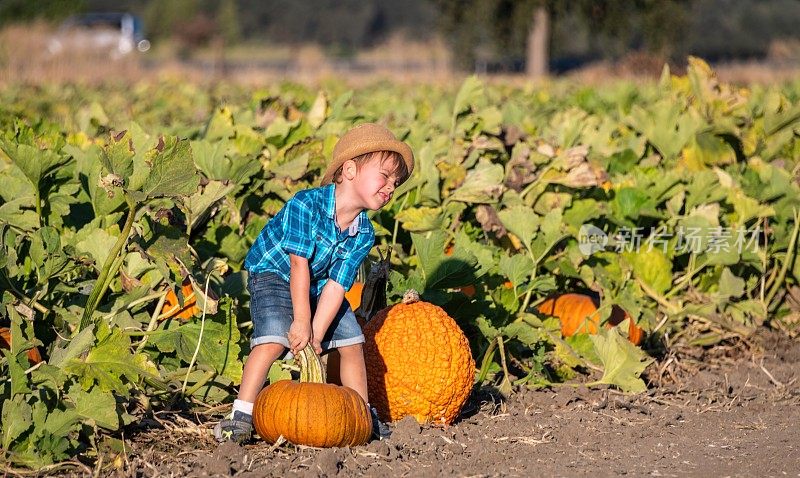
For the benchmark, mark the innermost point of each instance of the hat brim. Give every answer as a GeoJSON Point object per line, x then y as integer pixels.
{"type": "Point", "coordinates": [365, 147]}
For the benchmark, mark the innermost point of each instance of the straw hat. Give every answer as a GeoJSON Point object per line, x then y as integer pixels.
{"type": "Point", "coordinates": [366, 138]}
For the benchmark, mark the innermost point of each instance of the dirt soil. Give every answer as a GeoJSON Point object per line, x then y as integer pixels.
{"type": "Point", "coordinates": [728, 411]}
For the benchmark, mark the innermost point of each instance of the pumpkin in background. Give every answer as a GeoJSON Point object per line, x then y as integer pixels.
{"type": "Point", "coordinates": [311, 412]}
{"type": "Point", "coordinates": [353, 295]}
{"type": "Point", "coordinates": [418, 362]}
{"type": "Point", "coordinates": [172, 306]}
{"type": "Point", "coordinates": [190, 307]}
{"type": "Point", "coordinates": [578, 314]}
{"type": "Point", "coordinates": [34, 356]}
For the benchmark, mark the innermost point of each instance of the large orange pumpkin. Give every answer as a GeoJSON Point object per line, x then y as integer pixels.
{"type": "Point", "coordinates": [578, 314]}
{"type": "Point", "coordinates": [34, 356]}
{"type": "Point", "coordinates": [311, 412]}
{"type": "Point", "coordinates": [418, 362]}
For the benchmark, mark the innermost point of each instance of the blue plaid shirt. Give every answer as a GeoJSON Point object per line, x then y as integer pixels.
{"type": "Point", "coordinates": [306, 227]}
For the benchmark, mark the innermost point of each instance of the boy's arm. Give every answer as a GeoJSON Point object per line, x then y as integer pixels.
{"type": "Point", "coordinates": [300, 332]}
{"type": "Point", "coordinates": [328, 305]}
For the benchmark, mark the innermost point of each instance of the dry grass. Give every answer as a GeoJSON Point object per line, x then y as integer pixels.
{"type": "Point", "coordinates": [25, 59]}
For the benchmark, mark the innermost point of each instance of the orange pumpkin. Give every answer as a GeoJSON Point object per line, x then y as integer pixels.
{"type": "Point", "coordinates": [173, 308]}
{"type": "Point", "coordinates": [578, 314]}
{"type": "Point", "coordinates": [311, 412]}
{"type": "Point", "coordinates": [34, 356]}
{"type": "Point", "coordinates": [418, 362]}
{"type": "Point", "coordinates": [353, 295]}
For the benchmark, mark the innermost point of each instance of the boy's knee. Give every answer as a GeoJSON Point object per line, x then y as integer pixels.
{"type": "Point", "coordinates": [268, 349]}
{"type": "Point", "coordinates": [348, 350]}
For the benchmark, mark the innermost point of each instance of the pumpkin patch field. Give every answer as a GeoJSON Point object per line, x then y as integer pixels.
{"type": "Point", "coordinates": [608, 278]}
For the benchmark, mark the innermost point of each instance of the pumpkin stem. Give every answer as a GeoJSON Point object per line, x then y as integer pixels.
{"type": "Point", "coordinates": [310, 366]}
{"type": "Point", "coordinates": [410, 296]}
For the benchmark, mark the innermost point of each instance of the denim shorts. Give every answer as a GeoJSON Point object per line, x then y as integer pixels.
{"type": "Point", "coordinates": [272, 314]}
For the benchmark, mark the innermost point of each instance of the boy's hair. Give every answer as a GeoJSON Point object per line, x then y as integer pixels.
{"type": "Point", "coordinates": [398, 168]}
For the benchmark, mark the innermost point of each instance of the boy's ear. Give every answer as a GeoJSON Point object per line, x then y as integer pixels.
{"type": "Point", "coordinates": [349, 169]}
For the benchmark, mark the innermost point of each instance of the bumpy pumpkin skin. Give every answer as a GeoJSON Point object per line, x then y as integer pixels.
{"type": "Point", "coordinates": [312, 414]}
{"type": "Point", "coordinates": [578, 314]}
{"type": "Point", "coordinates": [418, 363]}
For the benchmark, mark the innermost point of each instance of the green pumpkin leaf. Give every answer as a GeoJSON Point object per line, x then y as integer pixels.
{"type": "Point", "coordinates": [96, 406]}
{"type": "Point", "coordinates": [421, 219]}
{"type": "Point", "coordinates": [219, 344]}
{"type": "Point", "coordinates": [517, 268]}
{"type": "Point", "coordinates": [97, 244]}
{"type": "Point", "coordinates": [17, 419]}
{"type": "Point", "coordinates": [483, 253]}
{"type": "Point", "coordinates": [665, 126]}
{"type": "Point", "coordinates": [486, 328]}
{"type": "Point", "coordinates": [172, 172]}
{"type": "Point", "coordinates": [628, 202]}
{"type": "Point", "coordinates": [730, 286]}
{"type": "Point", "coordinates": [470, 93]}
{"type": "Point", "coordinates": [483, 184]}
{"type": "Point", "coordinates": [60, 422]}
{"type": "Point", "coordinates": [521, 221]}
{"type": "Point", "coordinates": [15, 186]}
{"type": "Point", "coordinates": [784, 119]}
{"type": "Point", "coordinates": [439, 271]}
{"type": "Point", "coordinates": [76, 346]}
{"type": "Point", "coordinates": [198, 206]}
{"type": "Point", "coordinates": [581, 212]}
{"type": "Point", "coordinates": [524, 333]}
{"type": "Point", "coordinates": [293, 169]}
{"type": "Point", "coordinates": [220, 125]}
{"type": "Point", "coordinates": [110, 363]}
{"type": "Point", "coordinates": [652, 267]}
{"type": "Point", "coordinates": [623, 362]}
{"type": "Point", "coordinates": [210, 158]}
{"type": "Point", "coordinates": [707, 149]}
{"type": "Point", "coordinates": [35, 162]}
{"type": "Point", "coordinates": [16, 213]}
{"type": "Point", "coordinates": [582, 345]}
{"type": "Point", "coordinates": [278, 372]}
{"type": "Point", "coordinates": [747, 208]}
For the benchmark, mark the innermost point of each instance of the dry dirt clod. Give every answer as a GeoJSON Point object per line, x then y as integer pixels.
{"type": "Point", "coordinates": [327, 463]}
{"type": "Point", "coordinates": [406, 428]}
{"type": "Point", "coordinates": [379, 447]}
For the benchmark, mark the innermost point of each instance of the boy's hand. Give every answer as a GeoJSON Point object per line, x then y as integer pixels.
{"type": "Point", "coordinates": [300, 335]}
{"type": "Point", "coordinates": [317, 345]}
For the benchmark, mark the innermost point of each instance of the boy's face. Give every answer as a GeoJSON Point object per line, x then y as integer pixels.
{"type": "Point", "coordinates": [374, 182]}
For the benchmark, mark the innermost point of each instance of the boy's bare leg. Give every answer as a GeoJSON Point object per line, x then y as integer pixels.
{"type": "Point", "coordinates": [255, 369]}
{"type": "Point", "coordinates": [353, 370]}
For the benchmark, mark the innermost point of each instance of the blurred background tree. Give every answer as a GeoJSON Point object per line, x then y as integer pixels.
{"type": "Point", "coordinates": [27, 10]}
{"type": "Point", "coordinates": [483, 35]}
{"type": "Point", "coordinates": [509, 31]}
{"type": "Point", "coordinates": [228, 22]}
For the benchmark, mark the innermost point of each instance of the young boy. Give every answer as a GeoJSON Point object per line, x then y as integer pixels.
{"type": "Point", "coordinates": [305, 259]}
